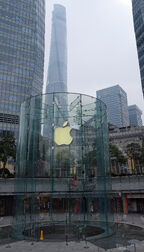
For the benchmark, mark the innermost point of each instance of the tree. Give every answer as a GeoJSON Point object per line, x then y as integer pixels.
{"type": "Point", "coordinates": [116, 153]}
{"type": "Point", "coordinates": [142, 154]}
{"type": "Point", "coordinates": [7, 149]}
{"type": "Point", "coordinates": [135, 152]}
{"type": "Point", "coordinates": [117, 157]}
{"type": "Point", "coordinates": [90, 161]}
{"type": "Point", "coordinates": [64, 160]}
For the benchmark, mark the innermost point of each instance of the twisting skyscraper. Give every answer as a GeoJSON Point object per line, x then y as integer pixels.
{"type": "Point", "coordinates": [57, 70]}
{"type": "Point", "coordinates": [22, 29]}
{"type": "Point", "coordinates": [138, 16]}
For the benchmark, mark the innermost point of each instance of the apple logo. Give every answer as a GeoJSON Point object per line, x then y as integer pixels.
{"type": "Point", "coordinates": [62, 135]}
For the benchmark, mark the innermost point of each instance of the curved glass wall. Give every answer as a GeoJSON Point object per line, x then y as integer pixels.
{"type": "Point", "coordinates": [63, 179]}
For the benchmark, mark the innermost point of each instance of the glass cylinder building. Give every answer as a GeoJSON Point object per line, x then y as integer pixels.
{"type": "Point", "coordinates": [63, 180]}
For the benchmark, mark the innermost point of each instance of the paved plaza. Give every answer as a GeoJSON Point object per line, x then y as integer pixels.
{"type": "Point", "coordinates": [25, 246]}
{"type": "Point", "coordinates": [29, 246]}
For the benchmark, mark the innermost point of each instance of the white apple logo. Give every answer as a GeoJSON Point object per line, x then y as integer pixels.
{"type": "Point", "coordinates": [62, 135]}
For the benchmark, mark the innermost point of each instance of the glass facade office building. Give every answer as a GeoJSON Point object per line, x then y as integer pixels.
{"type": "Point", "coordinates": [115, 99]}
{"type": "Point", "coordinates": [138, 17]}
{"type": "Point", "coordinates": [22, 29]}
{"type": "Point", "coordinates": [135, 115]}
{"type": "Point", "coordinates": [57, 70]}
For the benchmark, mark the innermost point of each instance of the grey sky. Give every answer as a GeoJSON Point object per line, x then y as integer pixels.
{"type": "Point", "coordinates": [101, 47]}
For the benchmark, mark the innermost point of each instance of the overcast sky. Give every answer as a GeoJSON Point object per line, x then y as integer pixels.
{"type": "Point", "coordinates": [101, 47]}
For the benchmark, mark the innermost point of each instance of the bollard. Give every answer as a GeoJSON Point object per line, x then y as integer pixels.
{"type": "Point", "coordinates": [134, 247]}
{"type": "Point", "coordinates": [41, 236]}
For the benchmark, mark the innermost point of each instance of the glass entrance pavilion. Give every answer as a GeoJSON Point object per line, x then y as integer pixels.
{"type": "Point", "coordinates": [63, 184]}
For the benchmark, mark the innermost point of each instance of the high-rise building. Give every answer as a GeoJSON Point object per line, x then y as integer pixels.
{"type": "Point", "coordinates": [22, 30]}
{"type": "Point", "coordinates": [135, 115]}
{"type": "Point", "coordinates": [138, 17]}
{"type": "Point", "coordinates": [57, 70]}
{"type": "Point", "coordinates": [115, 99]}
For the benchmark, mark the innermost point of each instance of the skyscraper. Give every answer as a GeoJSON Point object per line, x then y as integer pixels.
{"type": "Point", "coordinates": [57, 70]}
{"type": "Point", "coordinates": [22, 29]}
{"type": "Point", "coordinates": [135, 115]}
{"type": "Point", "coordinates": [115, 99]}
{"type": "Point", "coordinates": [138, 17]}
